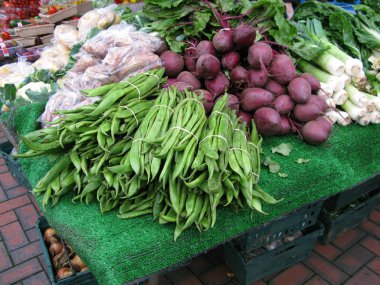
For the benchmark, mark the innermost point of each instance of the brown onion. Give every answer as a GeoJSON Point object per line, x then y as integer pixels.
{"type": "Point", "coordinates": [64, 272]}
{"type": "Point", "coordinates": [55, 248]}
{"type": "Point", "coordinates": [77, 263]}
{"type": "Point", "coordinates": [49, 232]}
{"type": "Point", "coordinates": [51, 239]}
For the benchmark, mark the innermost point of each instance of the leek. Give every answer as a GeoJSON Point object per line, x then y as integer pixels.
{"type": "Point", "coordinates": [343, 118]}
{"type": "Point", "coordinates": [375, 117]}
{"type": "Point", "coordinates": [326, 90]}
{"type": "Point", "coordinates": [330, 63]}
{"type": "Point", "coordinates": [334, 81]}
{"type": "Point", "coordinates": [354, 111]}
{"type": "Point", "coordinates": [346, 78]}
{"type": "Point", "coordinates": [330, 102]}
{"type": "Point", "coordinates": [364, 121]}
{"type": "Point", "coordinates": [356, 96]}
{"type": "Point", "coordinates": [340, 97]}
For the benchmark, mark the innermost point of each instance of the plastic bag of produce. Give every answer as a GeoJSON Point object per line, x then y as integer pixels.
{"type": "Point", "coordinates": [64, 99]}
{"type": "Point", "coordinates": [99, 18]}
{"type": "Point", "coordinates": [66, 35]}
{"type": "Point", "coordinates": [15, 73]}
{"type": "Point", "coordinates": [53, 58]}
{"type": "Point", "coordinates": [84, 61]}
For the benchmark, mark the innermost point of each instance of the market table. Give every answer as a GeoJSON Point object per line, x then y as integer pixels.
{"type": "Point", "coordinates": [118, 250]}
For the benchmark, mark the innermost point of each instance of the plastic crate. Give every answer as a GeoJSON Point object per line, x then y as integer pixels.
{"type": "Point", "coordinates": [276, 229]}
{"type": "Point", "coordinates": [79, 278]}
{"type": "Point", "coordinates": [249, 269]}
{"type": "Point", "coordinates": [343, 199]}
{"type": "Point", "coordinates": [15, 169]}
{"type": "Point", "coordinates": [349, 6]}
{"type": "Point", "coordinates": [337, 223]}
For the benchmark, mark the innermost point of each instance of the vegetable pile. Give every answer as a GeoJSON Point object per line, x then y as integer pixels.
{"type": "Point", "coordinates": [261, 83]}
{"type": "Point", "coordinates": [162, 157]}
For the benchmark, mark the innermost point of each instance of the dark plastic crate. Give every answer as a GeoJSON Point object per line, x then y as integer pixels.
{"type": "Point", "coordinates": [276, 229]}
{"type": "Point", "coordinates": [79, 278]}
{"type": "Point", "coordinates": [15, 169]}
{"type": "Point", "coordinates": [337, 223]}
{"type": "Point", "coordinates": [248, 270]}
{"type": "Point", "coordinates": [347, 197]}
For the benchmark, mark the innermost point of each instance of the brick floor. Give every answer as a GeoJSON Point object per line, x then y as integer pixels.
{"type": "Point", "coordinates": [352, 259]}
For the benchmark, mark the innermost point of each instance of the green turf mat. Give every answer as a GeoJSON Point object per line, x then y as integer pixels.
{"type": "Point", "coordinates": [122, 250]}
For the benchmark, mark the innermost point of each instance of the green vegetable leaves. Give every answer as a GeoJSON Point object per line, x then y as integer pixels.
{"type": "Point", "coordinates": [283, 149]}
{"type": "Point", "coordinates": [273, 166]}
{"type": "Point", "coordinates": [303, 160]}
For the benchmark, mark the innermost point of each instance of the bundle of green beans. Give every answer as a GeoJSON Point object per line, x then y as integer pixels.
{"type": "Point", "coordinates": [162, 157]}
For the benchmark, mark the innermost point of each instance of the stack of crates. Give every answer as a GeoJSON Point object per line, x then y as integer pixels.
{"type": "Point", "coordinates": [275, 245]}
{"type": "Point", "coordinates": [348, 209]}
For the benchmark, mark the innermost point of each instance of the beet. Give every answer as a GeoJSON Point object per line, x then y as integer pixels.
{"type": "Point", "coordinates": [314, 133]}
{"type": "Point", "coordinates": [244, 35]}
{"type": "Point", "coordinates": [326, 123]}
{"type": "Point", "coordinates": [173, 63]}
{"type": "Point", "coordinates": [238, 75]}
{"type": "Point", "coordinates": [190, 63]}
{"type": "Point", "coordinates": [162, 48]}
{"type": "Point", "coordinates": [258, 54]}
{"type": "Point", "coordinates": [182, 86]}
{"type": "Point", "coordinates": [306, 112]}
{"type": "Point", "coordinates": [276, 88]}
{"type": "Point", "coordinates": [245, 117]}
{"type": "Point", "coordinates": [299, 90]}
{"type": "Point", "coordinates": [255, 98]}
{"type": "Point", "coordinates": [285, 127]}
{"type": "Point", "coordinates": [320, 102]}
{"type": "Point", "coordinates": [208, 102]}
{"type": "Point", "coordinates": [223, 41]}
{"type": "Point", "coordinates": [257, 77]}
{"type": "Point", "coordinates": [205, 47]}
{"type": "Point", "coordinates": [282, 69]}
{"type": "Point", "coordinates": [219, 85]}
{"type": "Point", "coordinates": [230, 60]}
{"type": "Point", "coordinates": [189, 78]}
{"type": "Point", "coordinates": [283, 104]}
{"type": "Point", "coordinates": [208, 66]}
{"type": "Point", "coordinates": [233, 102]}
{"type": "Point", "coordinates": [268, 121]}
{"type": "Point", "coordinates": [314, 82]}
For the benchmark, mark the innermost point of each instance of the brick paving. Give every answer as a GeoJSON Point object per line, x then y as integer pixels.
{"type": "Point", "coordinates": [351, 259]}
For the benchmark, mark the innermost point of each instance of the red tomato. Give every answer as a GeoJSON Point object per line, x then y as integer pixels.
{"type": "Point", "coordinates": [52, 10]}
{"type": "Point", "coordinates": [5, 35]}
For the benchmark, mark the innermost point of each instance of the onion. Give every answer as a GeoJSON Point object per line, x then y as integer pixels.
{"type": "Point", "coordinates": [77, 263]}
{"type": "Point", "coordinates": [51, 239]}
{"type": "Point", "coordinates": [55, 248]}
{"type": "Point", "coordinates": [64, 272]}
{"type": "Point", "coordinates": [49, 232]}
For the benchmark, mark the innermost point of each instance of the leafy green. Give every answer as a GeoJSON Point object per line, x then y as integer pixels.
{"type": "Point", "coordinates": [303, 160]}
{"type": "Point", "coordinates": [273, 166]}
{"type": "Point", "coordinates": [356, 34]}
{"type": "Point", "coordinates": [283, 149]}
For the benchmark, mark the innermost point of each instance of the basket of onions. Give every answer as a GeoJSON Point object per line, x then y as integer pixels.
{"type": "Point", "coordinates": [64, 265]}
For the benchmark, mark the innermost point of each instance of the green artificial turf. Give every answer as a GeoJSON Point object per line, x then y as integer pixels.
{"type": "Point", "coordinates": [122, 250]}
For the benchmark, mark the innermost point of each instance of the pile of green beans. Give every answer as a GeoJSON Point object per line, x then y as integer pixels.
{"type": "Point", "coordinates": [153, 151]}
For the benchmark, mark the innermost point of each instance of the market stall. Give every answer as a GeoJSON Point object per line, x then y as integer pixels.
{"type": "Point", "coordinates": [139, 173]}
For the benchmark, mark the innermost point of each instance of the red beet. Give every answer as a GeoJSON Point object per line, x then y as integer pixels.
{"type": "Point", "coordinates": [283, 104]}
{"type": "Point", "coordinates": [299, 90]}
{"type": "Point", "coordinates": [189, 78]}
{"type": "Point", "coordinates": [245, 117]}
{"type": "Point", "coordinates": [218, 85]}
{"type": "Point", "coordinates": [276, 88]}
{"type": "Point", "coordinates": [205, 47]}
{"type": "Point", "coordinates": [258, 54]}
{"type": "Point", "coordinates": [257, 77]}
{"type": "Point", "coordinates": [244, 35]}
{"type": "Point", "coordinates": [268, 121]}
{"type": "Point", "coordinates": [255, 98]}
{"type": "Point", "coordinates": [238, 75]}
{"type": "Point", "coordinates": [173, 63]}
{"type": "Point", "coordinates": [208, 66]}
{"type": "Point", "coordinates": [282, 69]}
{"type": "Point", "coordinates": [231, 60]}
{"type": "Point", "coordinates": [223, 41]}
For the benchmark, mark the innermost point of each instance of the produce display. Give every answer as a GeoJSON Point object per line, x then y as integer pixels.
{"type": "Point", "coordinates": [162, 111]}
